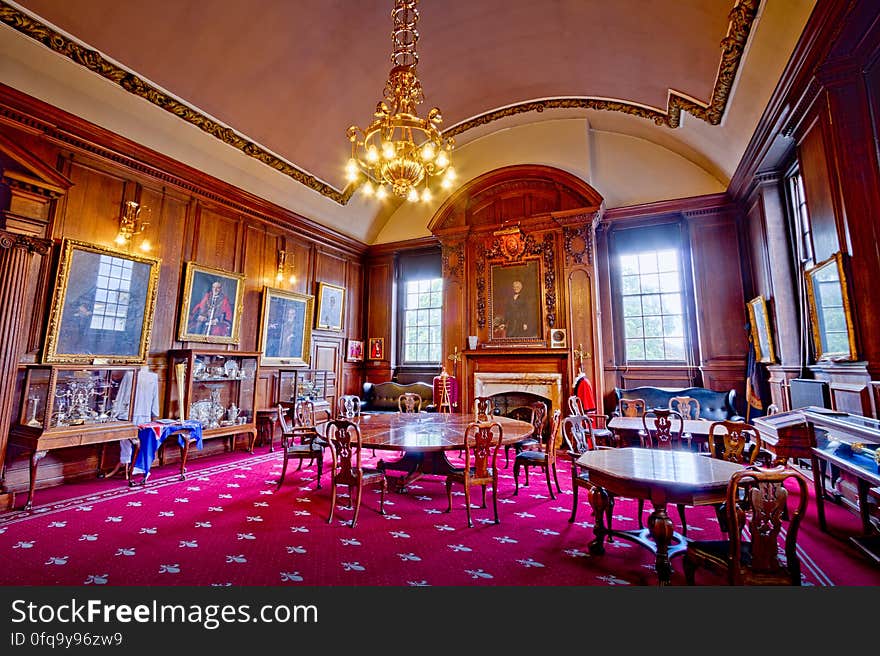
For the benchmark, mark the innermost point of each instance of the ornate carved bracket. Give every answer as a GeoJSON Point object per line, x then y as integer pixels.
{"type": "Point", "coordinates": [453, 260]}
{"type": "Point", "coordinates": [31, 244]}
{"type": "Point", "coordinates": [578, 245]}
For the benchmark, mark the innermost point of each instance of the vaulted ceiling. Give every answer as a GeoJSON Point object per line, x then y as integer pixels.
{"type": "Point", "coordinates": [261, 93]}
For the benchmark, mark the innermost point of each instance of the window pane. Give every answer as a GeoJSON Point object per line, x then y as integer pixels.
{"type": "Point", "coordinates": [674, 348]}
{"type": "Point", "coordinates": [653, 326]}
{"type": "Point", "coordinates": [632, 306]}
{"type": "Point", "coordinates": [635, 349]}
{"type": "Point", "coordinates": [437, 285]}
{"type": "Point", "coordinates": [654, 349]}
{"type": "Point", "coordinates": [630, 285]}
{"type": "Point", "coordinates": [669, 282]}
{"type": "Point", "coordinates": [651, 304]}
{"type": "Point", "coordinates": [667, 260]}
{"type": "Point", "coordinates": [672, 303]}
{"type": "Point", "coordinates": [629, 265]}
{"type": "Point", "coordinates": [673, 326]}
{"type": "Point", "coordinates": [422, 321]}
{"type": "Point", "coordinates": [650, 284]}
{"type": "Point", "coordinates": [648, 262]}
{"type": "Point", "coordinates": [632, 327]}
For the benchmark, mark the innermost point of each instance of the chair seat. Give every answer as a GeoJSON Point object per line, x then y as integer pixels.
{"type": "Point", "coordinates": [458, 473]}
{"type": "Point", "coordinates": [535, 457]}
{"type": "Point", "coordinates": [305, 449]}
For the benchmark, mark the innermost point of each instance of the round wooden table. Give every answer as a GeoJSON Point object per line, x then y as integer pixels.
{"type": "Point", "coordinates": [425, 437]}
{"type": "Point", "coordinates": [662, 477]}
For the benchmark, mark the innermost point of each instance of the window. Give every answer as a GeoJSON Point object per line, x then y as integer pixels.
{"type": "Point", "coordinates": [801, 217]}
{"type": "Point", "coordinates": [422, 338]}
{"type": "Point", "coordinates": [112, 294]}
{"type": "Point", "coordinates": [653, 309]}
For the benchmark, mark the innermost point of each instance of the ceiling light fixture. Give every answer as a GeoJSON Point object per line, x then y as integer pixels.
{"type": "Point", "coordinates": [399, 151]}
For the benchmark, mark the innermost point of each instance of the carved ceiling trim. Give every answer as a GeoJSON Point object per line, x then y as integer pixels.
{"type": "Point", "coordinates": [742, 17]}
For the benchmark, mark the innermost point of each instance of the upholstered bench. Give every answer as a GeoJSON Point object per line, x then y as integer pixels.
{"type": "Point", "coordinates": [382, 397]}
{"type": "Point", "coordinates": [714, 405]}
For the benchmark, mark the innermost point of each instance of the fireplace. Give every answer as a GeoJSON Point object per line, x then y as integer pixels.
{"type": "Point", "coordinates": [545, 385]}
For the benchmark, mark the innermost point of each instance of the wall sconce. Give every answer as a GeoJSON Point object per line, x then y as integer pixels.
{"type": "Point", "coordinates": [131, 224]}
{"type": "Point", "coordinates": [281, 271]}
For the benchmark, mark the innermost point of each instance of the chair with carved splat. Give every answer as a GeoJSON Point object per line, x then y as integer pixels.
{"type": "Point", "coordinates": [409, 402]}
{"type": "Point", "coordinates": [687, 406]}
{"type": "Point", "coordinates": [484, 408]}
{"type": "Point", "coordinates": [536, 415]}
{"type": "Point", "coordinates": [632, 407]}
{"type": "Point", "coordinates": [299, 438]}
{"type": "Point", "coordinates": [482, 440]}
{"type": "Point", "coordinates": [544, 459]}
{"type": "Point", "coordinates": [601, 433]}
{"type": "Point", "coordinates": [663, 429]}
{"type": "Point", "coordinates": [751, 554]}
{"type": "Point", "coordinates": [344, 438]}
{"type": "Point", "coordinates": [577, 433]}
{"type": "Point", "coordinates": [739, 442]}
{"type": "Point", "coordinates": [348, 406]}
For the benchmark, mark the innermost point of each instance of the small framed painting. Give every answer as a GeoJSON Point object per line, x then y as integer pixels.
{"type": "Point", "coordinates": [331, 301]}
{"type": "Point", "coordinates": [377, 348]}
{"type": "Point", "coordinates": [355, 351]}
{"type": "Point", "coordinates": [212, 302]}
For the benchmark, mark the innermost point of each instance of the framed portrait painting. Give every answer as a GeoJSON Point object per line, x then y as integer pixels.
{"type": "Point", "coordinates": [515, 302]}
{"type": "Point", "coordinates": [286, 327]}
{"type": "Point", "coordinates": [377, 348]}
{"type": "Point", "coordinates": [355, 351]}
{"type": "Point", "coordinates": [102, 306]}
{"type": "Point", "coordinates": [762, 337]}
{"type": "Point", "coordinates": [331, 303]}
{"type": "Point", "coordinates": [211, 308]}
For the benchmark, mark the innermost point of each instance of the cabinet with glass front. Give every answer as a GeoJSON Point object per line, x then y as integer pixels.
{"type": "Point", "coordinates": [67, 405]}
{"type": "Point", "coordinates": [215, 388]}
{"type": "Point", "coordinates": [316, 385]}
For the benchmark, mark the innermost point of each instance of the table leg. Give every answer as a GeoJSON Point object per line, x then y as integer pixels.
{"type": "Point", "coordinates": [599, 500]}
{"type": "Point", "coordinates": [416, 465]}
{"type": "Point", "coordinates": [819, 487]}
{"type": "Point", "coordinates": [36, 456]}
{"type": "Point", "coordinates": [662, 531]}
{"type": "Point", "coordinates": [135, 448]}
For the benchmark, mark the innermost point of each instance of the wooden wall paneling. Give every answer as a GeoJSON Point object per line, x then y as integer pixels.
{"type": "Point", "coordinates": [330, 267]}
{"type": "Point", "coordinates": [380, 314]}
{"type": "Point", "coordinates": [93, 205]}
{"type": "Point", "coordinates": [759, 259]}
{"type": "Point", "coordinates": [610, 378]}
{"type": "Point", "coordinates": [260, 252]}
{"type": "Point", "coordinates": [169, 215]}
{"type": "Point", "coordinates": [354, 315]}
{"type": "Point", "coordinates": [819, 186]}
{"type": "Point", "coordinates": [215, 237]}
{"type": "Point", "coordinates": [718, 291]}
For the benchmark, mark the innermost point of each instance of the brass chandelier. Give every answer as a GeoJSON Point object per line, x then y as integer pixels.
{"type": "Point", "coordinates": [399, 151]}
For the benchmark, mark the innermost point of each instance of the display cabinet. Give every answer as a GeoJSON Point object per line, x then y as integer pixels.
{"type": "Point", "coordinates": [317, 385]}
{"type": "Point", "coordinates": [215, 388]}
{"type": "Point", "coordinates": [68, 405]}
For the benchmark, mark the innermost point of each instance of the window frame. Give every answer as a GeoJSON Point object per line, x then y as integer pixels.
{"type": "Point", "coordinates": [403, 293]}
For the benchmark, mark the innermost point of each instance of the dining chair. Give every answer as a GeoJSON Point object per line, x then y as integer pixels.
{"type": "Point", "coordinates": [632, 407]}
{"type": "Point", "coordinates": [751, 555]}
{"type": "Point", "coordinates": [345, 441]}
{"type": "Point", "coordinates": [663, 429]}
{"type": "Point", "coordinates": [484, 408]}
{"type": "Point", "coordinates": [409, 402]}
{"type": "Point", "coordinates": [300, 439]}
{"type": "Point", "coordinates": [687, 406]}
{"type": "Point", "coordinates": [544, 459]}
{"type": "Point", "coordinates": [577, 433]}
{"type": "Point", "coordinates": [536, 415]}
{"type": "Point", "coordinates": [601, 433]}
{"type": "Point", "coordinates": [348, 406]}
{"type": "Point", "coordinates": [739, 442]}
{"type": "Point", "coordinates": [482, 439]}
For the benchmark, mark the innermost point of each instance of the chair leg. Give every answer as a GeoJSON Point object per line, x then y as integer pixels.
{"type": "Point", "coordinates": [526, 467]}
{"type": "Point", "coordinates": [556, 479]}
{"type": "Point", "coordinates": [507, 457]}
{"type": "Point", "coordinates": [689, 568]}
{"type": "Point", "coordinates": [449, 494]}
{"type": "Point", "coordinates": [516, 477]}
{"type": "Point", "coordinates": [332, 500]}
{"type": "Point", "coordinates": [357, 504]}
{"type": "Point", "coordinates": [549, 484]}
{"type": "Point", "coordinates": [641, 512]}
{"type": "Point", "coordinates": [495, 499]}
{"type": "Point", "coordinates": [574, 499]}
{"type": "Point", "coordinates": [299, 466]}
{"type": "Point", "coordinates": [320, 460]}
{"type": "Point", "coordinates": [684, 526]}
{"type": "Point", "coordinates": [283, 472]}
{"type": "Point", "coordinates": [484, 495]}
{"type": "Point", "coordinates": [467, 504]}
{"type": "Point", "coordinates": [382, 496]}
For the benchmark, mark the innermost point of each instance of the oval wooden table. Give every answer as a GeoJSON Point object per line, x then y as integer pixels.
{"type": "Point", "coordinates": [424, 438]}
{"type": "Point", "coordinates": [662, 477]}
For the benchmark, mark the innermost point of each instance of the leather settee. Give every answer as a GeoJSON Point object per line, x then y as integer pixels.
{"type": "Point", "coordinates": [714, 405]}
{"type": "Point", "coordinates": [382, 397]}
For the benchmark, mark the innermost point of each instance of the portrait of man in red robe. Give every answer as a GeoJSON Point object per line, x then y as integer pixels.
{"type": "Point", "coordinates": [213, 314]}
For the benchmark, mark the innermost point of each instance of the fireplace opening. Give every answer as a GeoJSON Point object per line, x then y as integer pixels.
{"type": "Point", "coordinates": [517, 405]}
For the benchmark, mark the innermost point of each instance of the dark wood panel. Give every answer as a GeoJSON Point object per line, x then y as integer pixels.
{"type": "Point", "coordinates": [819, 189]}
{"type": "Point", "coordinates": [260, 252]}
{"type": "Point", "coordinates": [216, 238]}
{"type": "Point", "coordinates": [380, 305]}
{"type": "Point", "coordinates": [92, 206]}
{"type": "Point", "coordinates": [758, 256]}
{"type": "Point", "coordinates": [718, 289]}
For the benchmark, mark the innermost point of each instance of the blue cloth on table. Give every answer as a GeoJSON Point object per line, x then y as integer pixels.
{"type": "Point", "coordinates": [154, 433]}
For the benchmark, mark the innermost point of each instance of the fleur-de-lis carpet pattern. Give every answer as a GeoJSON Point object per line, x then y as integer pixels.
{"type": "Point", "coordinates": [227, 525]}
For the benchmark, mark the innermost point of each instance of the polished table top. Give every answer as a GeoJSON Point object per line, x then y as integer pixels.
{"type": "Point", "coordinates": [428, 431]}
{"type": "Point", "coordinates": [692, 426]}
{"type": "Point", "coordinates": [659, 468]}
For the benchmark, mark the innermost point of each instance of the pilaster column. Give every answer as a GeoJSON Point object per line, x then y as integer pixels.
{"type": "Point", "coordinates": [16, 251]}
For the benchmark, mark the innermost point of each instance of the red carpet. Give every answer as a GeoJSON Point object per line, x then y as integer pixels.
{"type": "Point", "coordinates": [225, 525]}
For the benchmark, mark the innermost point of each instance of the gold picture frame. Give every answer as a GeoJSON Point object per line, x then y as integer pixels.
{"type": "Point", "coordinates": [286, 328]}
{"type": "Point", "coordinates": [102, 306]}
{"type": "Point", "coordinates": [762, 335]}
{"type": "Point", "coordinates": [830, 314]}
{"type": "Point", "coordinates": [331, 307]}
{"type": "Point", "coordinates": [206, 314]}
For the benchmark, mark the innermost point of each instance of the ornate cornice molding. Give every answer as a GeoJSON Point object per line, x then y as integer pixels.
{"type": "Point", "coordinates": [741, 17]}
{"type": "Point", "coordinates": [10, 240]}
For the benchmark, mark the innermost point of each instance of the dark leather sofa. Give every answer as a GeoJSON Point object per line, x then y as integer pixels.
{"type": "Point", "coordinates": [382, 397]}
{"type": "Point", "coordinates": [714, 406]}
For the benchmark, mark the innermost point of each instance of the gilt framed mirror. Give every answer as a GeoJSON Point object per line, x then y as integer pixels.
{"type": "Point", "coordinates": [762, 336]}
{"type": "Point", "coordinates": [830, 315]}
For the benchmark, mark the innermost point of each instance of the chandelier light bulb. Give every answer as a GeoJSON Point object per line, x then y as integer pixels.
{"type": "Point", "coordinates": [442, 160]}
{"type": "Point", "coordinates": [426, 195]}
{"type": "Point", "coordinates": [368, 188]}
{"type": "Point", "coordinates": [451, 174]}
{"type": "Point", "coordinates": [428, 152]}
{"type": "Point", "coordinates": [381, 193]}
{"type": "Point", "coordinates": [372, 154]}
{"type": "Point", "coordinates": [412, 196]}
{"type": "Point", "coordinates": [446, 183]}
{"type": "Point", "coordinates": [388, 151]}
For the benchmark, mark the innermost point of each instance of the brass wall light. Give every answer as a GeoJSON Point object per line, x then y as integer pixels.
{"type": "Point", "coordinates": [131, 225]}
